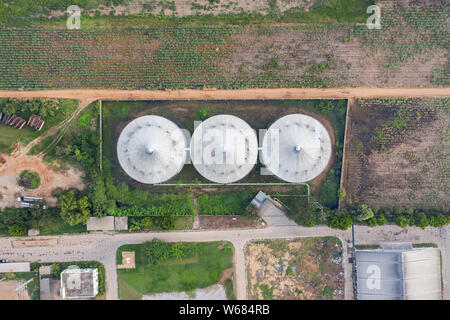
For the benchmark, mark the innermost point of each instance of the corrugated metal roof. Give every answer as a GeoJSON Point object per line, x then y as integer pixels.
{"type": "Point", "coordinates": [14, 267]}
{"type": "Point", "coordinates": [398, 273]}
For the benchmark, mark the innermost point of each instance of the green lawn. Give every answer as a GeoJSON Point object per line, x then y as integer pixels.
{"type": "Point", "coordinates": [10, 135]}
{"type": "Point", "coordinates": [201, 271]}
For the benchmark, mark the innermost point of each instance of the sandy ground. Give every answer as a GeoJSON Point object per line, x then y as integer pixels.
{"type": "Point", "coordinates": [244, 94]}
{"type": "Point", "coordinates": [50, 179]}
{"type": "Point", "coordinates": [214, 292]}
{"type": "Point", "coordinates": [7, 291]}
{"type": "Point", "coordinates": [12, 165]}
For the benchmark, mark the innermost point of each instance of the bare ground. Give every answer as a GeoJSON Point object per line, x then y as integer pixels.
{"type": "Point", "coordinates": [412, 173]}
{"type": "Point", "coordinates": [314, 277]}
{"type": "Point", "coordinates": [12, 165]}
{"type": "Point", "coordinates": [243, 94]}
{"type": "Point", "coordinates": [7, 291]}
{"type": "Point", "coordinates": [50, 179]}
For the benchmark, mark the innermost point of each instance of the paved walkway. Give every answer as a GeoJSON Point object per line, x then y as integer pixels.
{"type": "Point", "coordinates": [103, 246]}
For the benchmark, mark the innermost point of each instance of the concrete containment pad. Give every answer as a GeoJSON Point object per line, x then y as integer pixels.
{"type": "Point", "coordinates": [101, 224]}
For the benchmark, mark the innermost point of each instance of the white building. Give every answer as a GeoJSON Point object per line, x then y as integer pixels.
{"type": "Point", "coordinates": [79, 283]}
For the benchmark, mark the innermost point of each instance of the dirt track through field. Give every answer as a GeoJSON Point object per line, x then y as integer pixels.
{"type": "Point", "coordinates": [244, 94]}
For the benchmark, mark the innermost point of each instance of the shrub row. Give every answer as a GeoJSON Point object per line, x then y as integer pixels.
{"type": "Point", "coordinates": [375, 216]}
{"type": "Point", "coordinates": [174, 205]}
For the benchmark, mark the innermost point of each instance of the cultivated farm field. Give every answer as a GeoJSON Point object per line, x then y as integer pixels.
{"type": "Point", "coordinates": [399, 151]}
{"type": "Point", "coordinates": [411, 49]}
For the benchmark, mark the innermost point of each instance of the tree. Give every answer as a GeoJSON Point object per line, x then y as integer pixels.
{"type": "Point", "coordinates": [341, 221]}
{"type": "Point", "coordinates": [372, 222]}
{"type": "Point", "coordinates": [421, 220]}
{"type": "Point", "coordinates": [177, 250]}
{"type": "Point", "coordinates": [167, 222]}
{"type": "Point", "coordinates": [401, 221]}
{"type": "Point", "coordinates": [17, 230]}
{"type": "Point", "coordinates": [381, 220]}
{"type": "Point", "coordinates": [439, 221]}
{"type": "Point", "coordinates": [98, 197]}
{"type": "Point", "coordinates": [74, 211]}
{"type": "Point", "coordinates": [363, 213]}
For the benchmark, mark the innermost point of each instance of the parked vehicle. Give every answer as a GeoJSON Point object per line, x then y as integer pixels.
{"type": "Point", "coordinates": [29, 199]}
{"type": "Point", "coordinates": [3, 260]}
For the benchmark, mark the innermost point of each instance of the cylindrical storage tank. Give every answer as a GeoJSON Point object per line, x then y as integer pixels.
{"type": "Point", "coordinates": [151, 149]}
{"type": "Point", "coordinates": [224, 148]}
{"type": "Point", "coordinates": [296, 148]}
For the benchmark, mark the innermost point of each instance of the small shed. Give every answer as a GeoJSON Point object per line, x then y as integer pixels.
{"type": "Point", "coordinates": [259, 199]}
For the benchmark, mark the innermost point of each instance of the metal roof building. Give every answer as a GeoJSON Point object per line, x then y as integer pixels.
{"type": "Point", "coordinates": [296, 148]}
{"type": "Point", "coordinates": [151, 149]}
{"type": "Point", "coordinates": [398, 272]}
{"type": "Point", "coordinates": [14, 267]}
{"type": "Point", "coordinates": [224, 148]}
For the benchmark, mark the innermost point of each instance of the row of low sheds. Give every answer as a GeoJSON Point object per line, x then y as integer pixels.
{"type": "Point", "coordinates": [13, 120]}
{"type": "Point", "coordinates": [224, 149]}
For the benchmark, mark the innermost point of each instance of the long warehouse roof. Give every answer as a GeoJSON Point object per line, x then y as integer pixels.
{"type": "Point", "coordinates": [398, 273]}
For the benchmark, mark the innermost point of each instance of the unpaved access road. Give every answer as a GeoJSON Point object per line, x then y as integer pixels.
{"type": "Point", "coordinates": [103, 246]}
{"type": "Point", "coordinates": [243, 94]}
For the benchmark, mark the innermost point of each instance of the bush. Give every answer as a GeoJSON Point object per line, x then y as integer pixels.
{"type": "Point", "coordinates": [381, 220]}
{"type": "Point", "coordinates": [341, 221]}
{"type": "Point", "coordinates": [155, 251]}
{"type": "Point", "coordinates": [421, 220]}
{"type": "Point", "coordinates": [372, 222]}
{"type": "Point", "coordinates": [74, 211]}
{"type": "Point", "coordinates": [341, 193]}
{"type": "Point", "coordinates": [29, 179]}
{"type": "Point", "coordinates": [18, 230]}
{"type": "Point", "coordinates": [362, 213]}
{"type": "Point", "coordinates": [167, 223]}
{"type": "Point", "coordinates": [438, 221]}
{"type": "Point", "coordinates": [401, 221]}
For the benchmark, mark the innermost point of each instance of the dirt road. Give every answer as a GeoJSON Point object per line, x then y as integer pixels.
{"type": "Point", "coordinates": [244, 94]}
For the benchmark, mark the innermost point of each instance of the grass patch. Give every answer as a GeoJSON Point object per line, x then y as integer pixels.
{"type": "Point", "coordinates": [176, 276]}
{"type": "Point", "coordinates": [230, 290]}
{"type": "Point", "coordinates": [425, 245]}
{"type": "Point", "coordinates": [224, 204]}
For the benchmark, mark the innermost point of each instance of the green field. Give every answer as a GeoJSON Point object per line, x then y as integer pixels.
{"type": "Point", "coordinates": [23, 12]}
{"type": "Point", "coordinates": [201, 270]}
